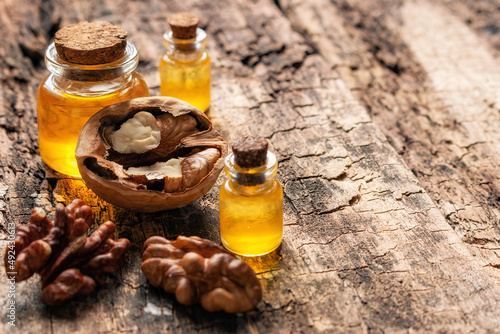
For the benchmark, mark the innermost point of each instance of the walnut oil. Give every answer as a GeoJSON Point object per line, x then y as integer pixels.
{"type": "Point", "coordinates": [251, 207]}
{"type": "Point", "coordinates": [185, 66]}
{"type": "Point", "coordinates": [72, 93]}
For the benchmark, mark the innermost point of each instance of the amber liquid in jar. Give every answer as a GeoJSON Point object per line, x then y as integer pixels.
{"type": "Point", "coordinates": [251, 217]}
{"type": "Point", "coordinates": [65, 104]}
{"type": "Point", "coordinates": [185, 70]}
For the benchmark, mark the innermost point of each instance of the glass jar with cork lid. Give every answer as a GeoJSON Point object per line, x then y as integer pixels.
{"type": "Point", "coordinates": [91, 66]}
{"type": "Point", "coordinates": [251, 199]}
{"type": "Point", "coordinates": [185, 66]}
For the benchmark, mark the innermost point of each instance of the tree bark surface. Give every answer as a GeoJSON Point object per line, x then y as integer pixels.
{"type": "Point", "coordinates": [384, 118]}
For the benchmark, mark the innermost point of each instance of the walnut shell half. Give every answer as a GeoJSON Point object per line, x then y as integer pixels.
{"type": "Point", "coordinates": [186, 136]}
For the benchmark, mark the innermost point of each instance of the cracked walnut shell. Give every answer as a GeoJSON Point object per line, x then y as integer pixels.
{"type": "Point", "coordinates": [150, 154]}
{"type": "Point", "coordinates": [200, 271]}
{"type": "Point", "coordinates": [69, 262]}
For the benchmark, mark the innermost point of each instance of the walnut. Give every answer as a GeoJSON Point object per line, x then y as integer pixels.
{"type": "Point", "coordinates": [199, 271]}
{"type": "Point", "coordinates": [150, 154]}
{"type": "Point", "coordinates": [138, 134]}
{"type": "Point", "coordinates": [69, 263]}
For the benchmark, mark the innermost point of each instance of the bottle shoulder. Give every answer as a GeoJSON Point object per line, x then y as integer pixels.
{"type": "Point", "coordinates": [54, 88]}
{"type": "Point", "coordinates": [59, 85]}
{"type": "Point", "coordinates": [138, 83]}
{"type": "Point", "coordinates": [273, 188]}
{"type": "Point", "coordinates": [183, 59]}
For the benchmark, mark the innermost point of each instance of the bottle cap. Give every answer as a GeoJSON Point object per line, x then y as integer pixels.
{"type": "Point", "coordinates": [250, 151]}
{"type": "Point", "coordinates": [91, 43]}
{"type": "Point", "coordinates": [183, 25]}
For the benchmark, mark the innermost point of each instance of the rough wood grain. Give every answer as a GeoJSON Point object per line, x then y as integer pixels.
{"type": "Point", "coordinates": [431, 85]}
{"type": "Point", "coordinates": [351, 108]}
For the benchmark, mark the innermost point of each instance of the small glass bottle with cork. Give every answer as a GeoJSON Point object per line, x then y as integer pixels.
{"type": "Point", "coordinates": [91, 66]}
{"type": "Point", "coordinates": [185, 66]}
{"type": "Point", "coordinates": [251, 199]}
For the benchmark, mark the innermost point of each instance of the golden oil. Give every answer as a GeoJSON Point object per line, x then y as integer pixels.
{"type": "Point", "coordinates": [185, 66]}
{"type": "Point", "coordinates": [251, 216]}
{"type": "Point", "coordinates": [71, 94]}
{"type": "Point", "coordinates": [186, 80]}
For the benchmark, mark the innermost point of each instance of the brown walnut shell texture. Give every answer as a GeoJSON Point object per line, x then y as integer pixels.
{"type": "Point", "coordinates": [200, 271]}
{"type": "Point", "coordinates": [69, 263]}
{"type": "Point", "coordinates": [185, 131]}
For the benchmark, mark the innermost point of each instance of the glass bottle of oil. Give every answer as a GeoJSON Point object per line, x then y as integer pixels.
{"type": "Point", "coordinates": [72, 93]}
{"type": "Point", "coordinates": [251, 200]}
{"type": "Point", "coordinates": [185, 66]}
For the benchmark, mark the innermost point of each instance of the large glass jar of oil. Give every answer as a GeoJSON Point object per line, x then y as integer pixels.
{"type": "Point", "coordinates": [185, 66]}
{"type": "Point", "coordinates": [251, 201]}
{"type": "Point", "coordinates": [72, 93]}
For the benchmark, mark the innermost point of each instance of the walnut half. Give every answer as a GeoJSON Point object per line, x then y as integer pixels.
{"type": "Point", "coordinates": [69, 262]}
{"type": "Point", "coordinates": [150, 154]}
{"type": "Point", "coordinates": [200, 271]}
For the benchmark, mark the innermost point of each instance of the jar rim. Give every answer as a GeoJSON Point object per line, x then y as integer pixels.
{"type": "Point", "coordinates": [123, 66]}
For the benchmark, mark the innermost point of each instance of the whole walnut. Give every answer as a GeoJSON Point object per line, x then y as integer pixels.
{"type": "Point", "coordinates": [199, 271]}
{"type": "Point", "coordinates": [69, 263]}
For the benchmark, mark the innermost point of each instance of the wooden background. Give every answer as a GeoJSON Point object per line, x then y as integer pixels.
{"type": "Point", "coordinates": [385, 117]}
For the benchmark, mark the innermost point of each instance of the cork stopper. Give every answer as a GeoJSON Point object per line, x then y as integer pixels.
{"type": "Point", "coordinates": [91, 43]}
{"type": "Point", "coordinates": [183, 25]}
{"type": "Point", "coordinates": [250, 151]}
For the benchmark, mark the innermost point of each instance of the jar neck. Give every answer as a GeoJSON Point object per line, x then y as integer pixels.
{"type": "Point", "coordinates": [122, 67]}
{"type": "Point", "coordinates": [89, 88]}
{"type": "Point", "coordinates": [185, 49]}
{"type": "Point", "coordinates": [251, 180]}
